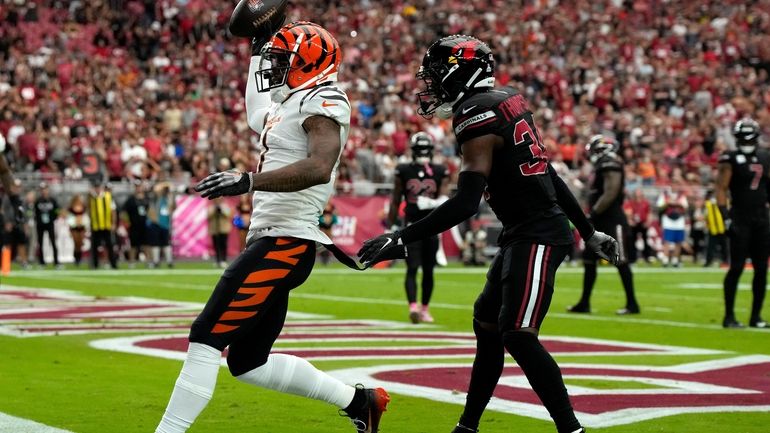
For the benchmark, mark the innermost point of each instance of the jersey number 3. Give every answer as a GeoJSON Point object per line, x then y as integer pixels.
{"type": "Point", "coordinates": [522, 134]}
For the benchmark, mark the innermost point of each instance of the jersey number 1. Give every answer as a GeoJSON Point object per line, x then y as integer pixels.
{"type": "Point", "coordinates": [523, 132]}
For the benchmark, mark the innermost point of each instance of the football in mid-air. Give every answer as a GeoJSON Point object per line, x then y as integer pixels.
{"type": "Point", "coordinates": [253, 18]}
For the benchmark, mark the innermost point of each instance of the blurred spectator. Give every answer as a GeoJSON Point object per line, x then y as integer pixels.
{"type": "Point", "coordinates": [717, 239]}
{"type": "Point", "coordinates": [146, 85]}
{"type": "Point", "coordinates": [159, 230]}
{"type": "Point", "coordinates": [46, 212]}
{"type": "Point", "coordinates": [697, 227]}
{"type": "Point", "coordinates": [15, 233]}
{"type": "Point", "coordinates": [475, 242]}
{"type": "Point", "coordinates": [77, 220]}
{"type": "Point", "coordinates": [220, 224]}
{"type": "Point", "coordinates": [673, 206]}
{"type": "Point", "coordinates": [242, 219]}
{"type": "Point", "coordinates": [136, 207]}
{"type": "Point", "coordinates": [639, 208]}
{"type": "Point", "coordinates": [326, 222]}
{"type": "Point", "coordinates": [102, 215]}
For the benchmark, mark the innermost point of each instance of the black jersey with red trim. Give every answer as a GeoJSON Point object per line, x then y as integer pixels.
{"type": "Point", "coordinates": [419, 180]}
{"type": "Point", "coordinates": [519, 187]}
{"type": "Point", "coordinates": [608, 162]}
{"type": "Point", "coordinates": [748, 183]}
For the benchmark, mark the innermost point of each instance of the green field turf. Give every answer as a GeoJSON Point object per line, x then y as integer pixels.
{"type": "Point", "coordinates": [62, 382]}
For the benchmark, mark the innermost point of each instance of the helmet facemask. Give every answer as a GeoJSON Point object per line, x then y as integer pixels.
{"type": "Point", "coordinates": [274, 68]}
{"type": "Point", "coordinates": [431, 98]}
{"type": "Point", "coordinates": [746, 133]}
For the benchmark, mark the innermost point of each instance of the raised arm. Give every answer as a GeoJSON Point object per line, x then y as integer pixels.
{"type": "Point", "coordinates": [257, 103]}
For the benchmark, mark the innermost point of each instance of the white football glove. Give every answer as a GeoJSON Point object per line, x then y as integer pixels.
{"type": "Point", "coordinates": [425, 203]}
{"type": "Point", "coordinates": [2, 143]}
{"type": "Point", "coordinates": [604, 246]}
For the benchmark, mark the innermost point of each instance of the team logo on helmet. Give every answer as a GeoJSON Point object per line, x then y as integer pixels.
{"type": "Point", "coordinates": [299, 56]}
{"type": "Point", "coordinates": [452, 68]}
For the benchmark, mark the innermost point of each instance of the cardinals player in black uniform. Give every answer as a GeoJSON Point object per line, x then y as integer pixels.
{"type": "Point", "coordinates": [505, 161]}
{"type": "Point", "coordinates": [606, 203]}
{"type": "Point", "coordinates": [423, 185]}
{"type": "Point", "coordinates": [743, 174]}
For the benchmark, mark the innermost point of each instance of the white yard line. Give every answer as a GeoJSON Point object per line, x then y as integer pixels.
{"type": "Point", "coordinates": [12, 424]}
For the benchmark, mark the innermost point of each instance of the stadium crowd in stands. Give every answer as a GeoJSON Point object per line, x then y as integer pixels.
{"type": "Point", "coordinates": [153, 90]}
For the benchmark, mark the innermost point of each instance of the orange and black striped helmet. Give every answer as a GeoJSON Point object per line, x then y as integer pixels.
{"type": "Point", "coordinates": [299, 56]}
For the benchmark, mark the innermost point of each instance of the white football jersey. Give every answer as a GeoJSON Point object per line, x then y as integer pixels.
{"type": "Point", "coordinates": [283, 141]}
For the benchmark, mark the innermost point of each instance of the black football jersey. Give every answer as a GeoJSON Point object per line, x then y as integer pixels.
{"type": "Point", "coordinates": [609, 162]}
{"type": "Point", "coordinates": [519, 187]}
{"type": "Point", "coordinates": [419, 180]}
{"type": "Point", "coordinates": [748, 183]}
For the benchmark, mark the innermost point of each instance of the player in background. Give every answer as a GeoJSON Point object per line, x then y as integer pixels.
{"type": "Point", "coordinates": [423, 185]}
{"type": "Point", "coordinates": [303, 120]}
{"type": "Point", "coordinates": [503, 160]}
{"type": "Point", "coordinates": [743, 176]}
{"type": "Point", "coordinates": [606, 206]}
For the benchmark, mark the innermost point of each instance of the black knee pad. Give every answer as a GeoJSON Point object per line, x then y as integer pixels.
{"type": "Point", "coordinates": [519, 341]}
{"type": "Point", "coordinates": [484, 334]}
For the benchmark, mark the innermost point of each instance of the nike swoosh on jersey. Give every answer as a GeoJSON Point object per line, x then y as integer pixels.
{"type": "Point", "coordinates": [328, 104]}
{"type": "Point", "coordinates": [467, 109]}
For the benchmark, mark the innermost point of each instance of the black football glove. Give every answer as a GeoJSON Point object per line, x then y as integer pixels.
{"type": "Point", "coordinates": [604, 246]}
{"type": "Point", "coordinates": [18, 209]}
{"type": "Point", "coordinates": [388, 246]}
{"type": "Point", "coordinates": [225, 183]}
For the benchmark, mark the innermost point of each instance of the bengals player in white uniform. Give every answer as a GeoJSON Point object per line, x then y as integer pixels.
{"type": "Point", "coordinates": [303, 121]}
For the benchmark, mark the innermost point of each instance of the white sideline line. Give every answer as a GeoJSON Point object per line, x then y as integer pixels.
{"type": "Point", "coordinates": [12, 424]}
{"type": "Point", "coordinates": [341, 271]}
{"type": "Point", "coordinates": [625, 319]}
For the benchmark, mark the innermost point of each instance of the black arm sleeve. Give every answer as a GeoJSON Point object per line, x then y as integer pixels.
{"type": "Point", "coordinates": [463, 205]}
{"type": "Point", "coordinates": [569, 204]}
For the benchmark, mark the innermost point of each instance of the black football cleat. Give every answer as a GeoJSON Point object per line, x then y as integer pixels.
{"type": "Point", "coordinates": [367, 418]}
{"type": "Point", "coordinates": [732, 324]}
{"type": "Point", "coordinates": [759, 323]}
{"type": "Point", "coordinates": [459, 428]}
{"type": "Point", "coordinates": [628, 310]}
{"type": "Point", "coordinates": [579, 308]}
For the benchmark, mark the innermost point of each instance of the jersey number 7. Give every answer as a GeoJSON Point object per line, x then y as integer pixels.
{"type": "Point", "coordinates": [522, 134]}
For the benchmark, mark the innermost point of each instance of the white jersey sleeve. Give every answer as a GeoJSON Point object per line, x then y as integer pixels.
{"type": "Point", "coordinates": [328, 101]}
{"type": "Point", "coordinates": [257, 103]}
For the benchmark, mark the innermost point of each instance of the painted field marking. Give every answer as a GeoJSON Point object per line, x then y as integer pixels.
{"type": "Point", "coordinates": [515, 380]}
{"type": "Point", "coordinates": [12, 424]}
{"type": "Point", "coordinates": [462, 344]}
